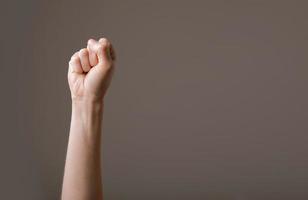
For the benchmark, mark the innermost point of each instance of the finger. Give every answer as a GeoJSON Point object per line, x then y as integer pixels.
{"type": "Point", "coordinates": [75, 65]}
{"type": "Point", "coordinates": [110, 50]}
{"type": "Point", "coordinates": [103, 50]}
{"type": "Point", "coordinates": [92, 55]}
{"type": "Point", "coordinates": [84, 60]}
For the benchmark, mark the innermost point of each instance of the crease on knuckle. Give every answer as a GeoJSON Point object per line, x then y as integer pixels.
{"type": "Point", "coordinates": [83, 52]}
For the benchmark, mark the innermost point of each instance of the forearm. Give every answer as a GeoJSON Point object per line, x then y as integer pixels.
{"type": "Point", "coordinates": [89, 75]}
{"type": "Point", "coordinates": [82, 176]}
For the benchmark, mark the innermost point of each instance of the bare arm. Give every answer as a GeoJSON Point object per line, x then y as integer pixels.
{"type": "Point", "coordinates": [89, 75]}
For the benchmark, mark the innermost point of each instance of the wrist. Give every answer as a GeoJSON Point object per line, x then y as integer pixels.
{"type": "Point", "coordinates": [87, 116]}
{"type": "Point", "coordinates": [88, 104]}
{"type": "Point", "coordinates": [87, 111]}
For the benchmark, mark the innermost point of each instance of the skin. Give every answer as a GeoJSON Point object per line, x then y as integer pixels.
{"type": "Point", "coordinates": [89, 76]}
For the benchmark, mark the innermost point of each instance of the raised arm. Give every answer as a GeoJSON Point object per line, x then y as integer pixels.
{"type": "Point", "coordinates": [89, 75]}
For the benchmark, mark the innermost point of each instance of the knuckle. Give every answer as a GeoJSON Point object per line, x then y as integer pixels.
{"type": "Point", "coordinates": [74, 59]}
{"type": "Point", "coordinates": [74, 56]}
{"type": "Point", "coordinates": [90, 41]}
{"type": "Point", "coordinates": [71, 63]}
{"type": "Point", "coordinates": [83, 52]}
{"type": "Point", "coordinates": [103, 40]}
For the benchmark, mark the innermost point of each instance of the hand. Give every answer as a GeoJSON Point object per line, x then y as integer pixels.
{"type": "Point", "coordinates": [90, 70]}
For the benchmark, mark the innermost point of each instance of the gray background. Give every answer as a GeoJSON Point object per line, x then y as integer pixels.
{"type": "Point", "coordinates": [209, 100]}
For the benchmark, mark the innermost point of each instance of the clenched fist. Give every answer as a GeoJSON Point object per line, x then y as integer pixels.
{"type": "Point", "coordinates": [90, 70]}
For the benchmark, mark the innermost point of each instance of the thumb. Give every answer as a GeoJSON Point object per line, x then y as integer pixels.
{"type": "Point", "coordinates": [103, 51]}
